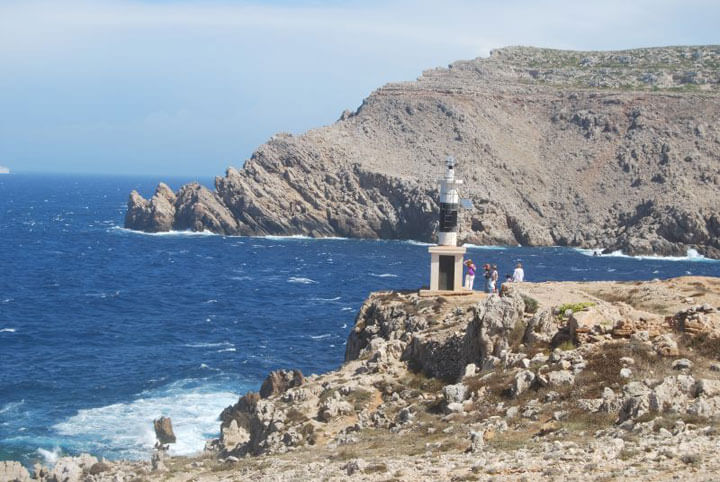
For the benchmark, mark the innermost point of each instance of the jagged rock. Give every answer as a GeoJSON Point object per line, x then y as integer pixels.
{"type": "Point", "coordinates": [541, 328]}
{"type": "Point", "coordinates": [636, 401]}
{"type": "Point", "coordinates": [332, 408]}
{"type": "Point", "coordinates": [280, 381]}
{"type": "Point", "coordinates": [233, 435]}
{"type": "Point", "coordinates": [477, 441]}
{"type": "Point", "coordinates": [11, 471]}
{"type": "Point", "coordinates": [672, 394]}
{"type": "Point", "coordinates": [71, 469]}
{"type": "Point", "coordinates": [164, 430]}
{"type": "Point", "coordinates": [625, 373]}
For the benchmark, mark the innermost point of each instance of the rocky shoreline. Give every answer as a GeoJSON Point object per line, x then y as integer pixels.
{"type": "Point", "coordinates": [560, 380]}
{"type": "Point", "coordinates": [602, 150]}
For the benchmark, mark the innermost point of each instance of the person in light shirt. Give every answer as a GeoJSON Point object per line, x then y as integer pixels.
{"type": "Point", "coordinates": [518, 274]}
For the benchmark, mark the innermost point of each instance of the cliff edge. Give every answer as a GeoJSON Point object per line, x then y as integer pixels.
{"type": "Point", "coordinates": [609, 150]}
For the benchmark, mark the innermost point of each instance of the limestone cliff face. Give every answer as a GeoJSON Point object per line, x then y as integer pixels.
{"type": "Point", "coordinates": [612, 150]}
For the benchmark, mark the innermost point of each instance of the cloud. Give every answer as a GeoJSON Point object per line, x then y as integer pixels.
{"type": "Point", "coordinates": [131, 85]}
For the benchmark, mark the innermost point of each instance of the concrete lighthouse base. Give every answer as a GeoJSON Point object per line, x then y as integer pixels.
{"type": "Point", "coordinates": [446, 271]}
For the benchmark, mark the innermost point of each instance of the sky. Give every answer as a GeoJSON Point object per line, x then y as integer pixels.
{"type": "Point", "coordinates": [188, 88]}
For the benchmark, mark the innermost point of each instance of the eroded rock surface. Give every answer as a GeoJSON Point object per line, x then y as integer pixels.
{"type": "Point", "coordinates": [556, 147]}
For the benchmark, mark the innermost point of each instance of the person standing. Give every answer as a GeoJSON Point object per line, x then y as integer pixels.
{"type": "Point", "coordinates": [486, 269]}
{"type": "Point", "coordinates": [494, 279]}
{"type": "Point", "coordinates": [518, 274]}
{"type": "Point", "coordinates": [470, 274]}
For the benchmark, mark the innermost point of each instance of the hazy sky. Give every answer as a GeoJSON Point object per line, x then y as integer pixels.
{"type": "Point", "coordinates": [190, 87]}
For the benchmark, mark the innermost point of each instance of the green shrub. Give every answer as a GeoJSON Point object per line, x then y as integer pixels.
{"type": "Point", "coordinates": [531, 304]}
{"type": "Point", "coordinates": [574, 307]}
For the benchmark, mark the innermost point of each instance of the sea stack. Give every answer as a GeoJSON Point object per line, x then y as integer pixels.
{"type": "Point", "coordinates": [446, 258]}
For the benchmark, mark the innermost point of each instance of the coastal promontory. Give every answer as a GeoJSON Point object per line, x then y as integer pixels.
{"type": "Point", "coordinates": [609, 150]}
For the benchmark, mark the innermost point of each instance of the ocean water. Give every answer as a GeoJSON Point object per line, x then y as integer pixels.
{"type": "Point", "coordinates": [103, 329]}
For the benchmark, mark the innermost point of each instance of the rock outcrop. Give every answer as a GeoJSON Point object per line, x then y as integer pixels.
{"type": "Point", "coordinates": [604, 150]}
{"type": "Point", "coordinates": [453, 388]}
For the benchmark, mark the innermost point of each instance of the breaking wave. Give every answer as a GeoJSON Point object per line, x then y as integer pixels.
{"type": "Point", "coordinates": [692, 255]}
{"type": "Point", "coordinates": [194, 414]}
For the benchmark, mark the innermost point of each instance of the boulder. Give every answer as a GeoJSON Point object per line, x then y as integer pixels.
{"type": "Point", "coordinates": [636, 401]}
{"type": "Point", "coordinates": [665, 345]}
{"type": "Point", "coordinates": [477, 441]}
{"type": "Point", "coordinates": [280, 381]}
{"type": "Point", "coordinates": [584, 321]}
{"type": "Point", "coordinates": [682, 364]}
{"type": "Point", "coordinates": [164, 430]}
{"type": "Point", "coordinates": [355, 466]}
{"type": "Point", "coordinates": [454, 393]}
{"type": "Point", "coordinates": [560, 377]}
{"type": "Point", "coordinates": [333, 407]}
{"type": "Point", "coordinates": [522, 382]}
{"type": "Point", "coordinates": [707, 388]}
{"type": "Point", "coordinates": [672, 394]}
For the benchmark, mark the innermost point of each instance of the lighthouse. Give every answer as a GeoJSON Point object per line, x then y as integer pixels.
{"type": "Point", "coordinates": [446, 258]}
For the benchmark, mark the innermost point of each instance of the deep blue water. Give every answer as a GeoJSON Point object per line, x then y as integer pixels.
{"type": "Point", "coordinates": [102, 329]}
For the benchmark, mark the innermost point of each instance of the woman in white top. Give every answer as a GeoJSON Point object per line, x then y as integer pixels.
{"type": "Point", "coordinates": [518, 274]}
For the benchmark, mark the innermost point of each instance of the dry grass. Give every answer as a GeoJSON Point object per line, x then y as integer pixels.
{"type": "Point", "coordinates": [604, 365]}
{"type": "Point", "coordinates": [703, 344]}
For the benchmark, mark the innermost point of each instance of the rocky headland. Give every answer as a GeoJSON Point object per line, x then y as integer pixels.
{"type": "Point", "coordinates": [561, 380]}
{"type": "Point", "coordinates": [608, 150]}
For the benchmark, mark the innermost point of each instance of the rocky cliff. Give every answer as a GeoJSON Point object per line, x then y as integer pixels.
{"type": "Point", "coordinates": [612, 150]}
{"type": "Point", "coordinates": [600, 380]}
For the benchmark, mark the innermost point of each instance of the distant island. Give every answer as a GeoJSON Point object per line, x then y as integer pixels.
{"type": "Point", "coordinates": [604, 150]}
{"type": "Point", "coordinates": [4, 170]}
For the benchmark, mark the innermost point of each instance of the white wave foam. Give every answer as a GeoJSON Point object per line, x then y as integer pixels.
{"type": "Point", "coordinates": [485, 246]}
{"type": "Point", "coordinates": [11, 407]}
{"type": "Point", "coordinates": [692, 255]}
{"type": "Point", "coordinates": [127, 427]}
{"type": "Point", "coordinates": [384, 275]}
{"type": "Point", "coordinates": [209, 345]}
{"type": "Point", "coordinates": [210, 301]}
{"type": "Point", "coordinates": [50, 456]}
{"type": "Point", "coordinates": [166, 233]}
{"type": "Point", "coordinates": [297, 279]}
{"type": "Point", "coordinates": [417, 243]}
{"type": "Point", "coordinates": [347, 308]}
{"type": "Point", "coordinates": [320, 337]}
{"type": "Point", "coordinates": [8, 330]}
{"type": "Point", "coordinates": [299, 237]}
{"type": "Point", "coordinates": [226, 349]}
{"type": "Point", "coordinates": [325, 299]}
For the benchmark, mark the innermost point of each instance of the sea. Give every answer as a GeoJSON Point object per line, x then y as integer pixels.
{"type": "Point", "coordinates": [103, 329]}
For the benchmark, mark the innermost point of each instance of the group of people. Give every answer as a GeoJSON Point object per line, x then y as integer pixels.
{"type": "Point", "coordinates": [491, 276]}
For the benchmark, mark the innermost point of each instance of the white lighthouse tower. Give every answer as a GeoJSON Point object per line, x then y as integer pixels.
{"type": "Point", "coordinates": [446, 258]}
